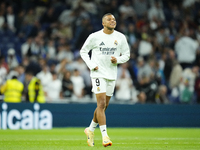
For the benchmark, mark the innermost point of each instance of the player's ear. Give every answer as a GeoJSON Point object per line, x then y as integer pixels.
{"type": "Point", "coordinates": [103, 20]}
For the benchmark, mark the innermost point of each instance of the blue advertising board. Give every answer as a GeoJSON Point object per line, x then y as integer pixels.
{"type": "Point", "coordinates": [46, 116]}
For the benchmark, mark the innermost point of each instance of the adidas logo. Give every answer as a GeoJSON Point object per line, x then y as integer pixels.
{"type": "Point", "coordinates": [102, 43]}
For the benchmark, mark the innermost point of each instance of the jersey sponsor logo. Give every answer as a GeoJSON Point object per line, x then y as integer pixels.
{"type": "Point", "coordinates": [116, 43]}
{"type": "Point", "coordinates": [108, 51]}
{"type": "Point", "coordinates": [102, 43]}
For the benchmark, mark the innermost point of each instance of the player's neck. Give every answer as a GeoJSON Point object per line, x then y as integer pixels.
{"type": "Point", "coordinates": [108, 31]}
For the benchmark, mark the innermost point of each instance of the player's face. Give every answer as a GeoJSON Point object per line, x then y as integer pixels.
{"type": "Point", "coordinates": [109, 22]}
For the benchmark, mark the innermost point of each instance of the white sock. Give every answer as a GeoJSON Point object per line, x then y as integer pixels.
{"type": "Point", "coordinates": [103, 130]}
{"type": "Point", "coordinates": [92, 126]}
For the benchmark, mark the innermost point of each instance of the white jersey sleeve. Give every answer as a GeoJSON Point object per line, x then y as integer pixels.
{"type": "Point", "coordinates": [125, 52]}
{"type": "Point", "coordinates": [87, 46]}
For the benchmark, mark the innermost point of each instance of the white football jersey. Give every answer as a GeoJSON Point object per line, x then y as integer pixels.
{"type": "Point", "coordinates": [104, 46]}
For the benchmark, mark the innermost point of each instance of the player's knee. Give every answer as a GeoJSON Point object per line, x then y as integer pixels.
{"type": "Point", "coordinates": [102, 104]}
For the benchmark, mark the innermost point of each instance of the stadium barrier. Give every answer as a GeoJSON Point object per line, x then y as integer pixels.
{"type": "Point", "coordinates": [46, 116]}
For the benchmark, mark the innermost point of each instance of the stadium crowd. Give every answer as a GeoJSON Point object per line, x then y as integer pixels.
{"type": "Point", "coordinates": [44, 37]}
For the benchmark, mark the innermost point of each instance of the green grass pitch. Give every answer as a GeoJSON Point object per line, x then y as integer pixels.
{"type": "Point", "coordinates": [122, 138]}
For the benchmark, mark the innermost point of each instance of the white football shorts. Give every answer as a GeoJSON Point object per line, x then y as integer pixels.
{"type": "Point", "coordinates": [102, 85]}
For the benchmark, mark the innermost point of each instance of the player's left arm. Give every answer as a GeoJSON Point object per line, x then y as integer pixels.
{"type": "Point", "coordinates": [125, 52]}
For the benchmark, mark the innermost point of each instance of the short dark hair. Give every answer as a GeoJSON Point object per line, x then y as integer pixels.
{"type": "Point", "coordinates": [29, 72]}
{"type": "Point", "coordinates": [107, 14]}
{"type": "Point", "coordinates": [14, 77]}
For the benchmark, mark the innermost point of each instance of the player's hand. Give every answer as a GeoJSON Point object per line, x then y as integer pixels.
{"type": "Point", "coordinates": [113, 60]}
{"type": "Point", "coordinates": [96, 68]}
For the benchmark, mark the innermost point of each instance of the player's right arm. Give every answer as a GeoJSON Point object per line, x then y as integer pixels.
{"type": "Point", "coordinates": [87, 46]}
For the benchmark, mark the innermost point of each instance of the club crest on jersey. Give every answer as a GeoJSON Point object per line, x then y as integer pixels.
{"type": "Point", "coordinates": [116, 43]}
{"type": "Point", "coordinates": [98, 88]}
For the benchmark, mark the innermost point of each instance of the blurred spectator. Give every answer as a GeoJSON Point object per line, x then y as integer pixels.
{"type": "Point", "coordinates": [21, 71]}
{"type": "Point", "coordinates": [33, 89]}
{"type": "Point", "coordinates": [32, 64]}
{"type": "Point", "coordinates": [156, 11]}
{"type": "Point", "coordinates": [2, 19]}
{"type": "Point", "coordinates": [123, 87]}
{"type": "Point", "coordinates": [149, 87]}
{"type": "Point", "coordinates": [37, 46]}
{"type": "Point", "coordinates": [189, 75]}
{"type": "Point", "coordinates": [131, 34]}
{"type": "Point", "coordinates": [40, 10]}
{"type": "Point", "coordinates": [10, 19]}
{"type": "Point", "coordinates": [145, 47]}
{"type": "Point", "coordinates": [185, 93]}
{"type": "Point", "coordinates": [168, 64]}
{"type": "Point", "coordinates": [69, 53]}
{"type": "Point", "coordinates": [174, 81]}
{"type": "Point", "coordinates": [44, 75]}
{"type": "Point", "coordinates": [196, 19]}
{"type": "Point", "coordinates": [52, 68]}
{"type": "Point", "coordinates": [141, 98]}
{"type": "Point", "coordinates": [30, 17]}
{"type": "Point", "coordinates": [79, 64]}
{"type": "Point", "coordinates": [198, 33]}
{"type": "Point", "coordinates": [172, 29]}
{"type": "Point", "coordinates": [62, 31]}
{"type": "Point", "coordinates": [186, 49]}
{"type": "Point", "coordinates": [141, 7]}
{"type": "Point", "coordinates": [3, 71]}
{"type": "Point", "coordinates": [161, 35]}
{"type": "Point", "coordinates": [12, 90]}
{"type": "Point", "coordinates": [83, 32]}
{"type": "Point", "coordinates": [175, 75]}
{"type": "Point", "coordinates": [48, 18]}
{"type": "Point", "coordinates": [144, 69]}
{"type": "Point", "coordinates": [19, 20]}
{"type": "Point", "coordinates": [161, 62]}
{"type": "Point", "coordinates": [159, 74]}
{"type": "Point", "coordinates": [187, 84]}
{"type": "Point", "coordinates": [111, 7]}
{"type": "Point", "coordinates": [67, 85]}
{"type": "Point", "coordinates": [26, 47]}
{"type": "Point", "coordinates": [89, 6]}
{"type": "Point", "coordinates": [126, 10]}
{"type": "Point", "coordinates": [12, 59]}
{"type": "Point", "coordinates": [161, 97]}
{"type": "Point", "coordinates": [70, 15]}
{"type": "Point", "coordinates": [60, 68]}
{"type": "Point", "coordinates": [123, 69]}
{"type": "Point", "coordinates": [78, 84]}
{"type": "Point", "coordinates": [53, 88]}
{"type": "Point", "coordinates": [62, 53]}
{"type": "Point", "coordinates": [187, 3]}
{"type": "Point", "coordinates": [51, 50]}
